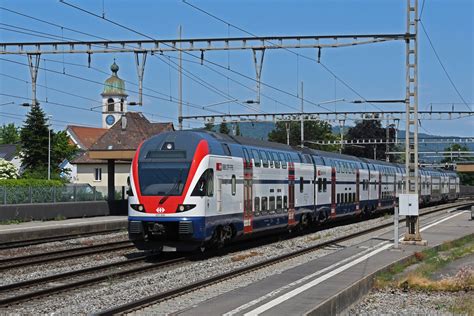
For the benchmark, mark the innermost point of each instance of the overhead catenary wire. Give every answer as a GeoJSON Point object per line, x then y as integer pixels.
{"type": "Point", "coordinates": [188, 53]}
{"type": "Point", "coordinates": [210, 86]}
{"type": "Point", "coordinates": [287, 49]}
{"type": "Point", "coordinates": [442, 65]}
{"type": "Point", "coordinates": [100, 83]}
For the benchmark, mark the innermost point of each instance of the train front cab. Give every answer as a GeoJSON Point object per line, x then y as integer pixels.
{"type": "Point", "coordinates": [171, 184]}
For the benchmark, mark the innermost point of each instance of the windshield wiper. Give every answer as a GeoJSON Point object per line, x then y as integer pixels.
{"type": "Point", "coordinates": [175, 186]}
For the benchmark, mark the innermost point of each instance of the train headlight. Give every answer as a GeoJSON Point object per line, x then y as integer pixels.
{"type": "Point", "coordinates": [138, 207]}
{"type": "Point", "coordinates": [185, 207]}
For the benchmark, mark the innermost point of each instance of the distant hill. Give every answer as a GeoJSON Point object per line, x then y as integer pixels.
{"type": "Point", "coordinates": [260, 130]}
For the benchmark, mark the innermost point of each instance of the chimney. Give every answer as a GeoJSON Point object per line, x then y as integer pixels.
{"type": "Point", "coordinates": [124, 122]}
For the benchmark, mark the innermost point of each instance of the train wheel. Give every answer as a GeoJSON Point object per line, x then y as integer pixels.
{"type": "Point", "coordinates": [322, 218]}
{"type": "Point", "coordinates": [304, 221]}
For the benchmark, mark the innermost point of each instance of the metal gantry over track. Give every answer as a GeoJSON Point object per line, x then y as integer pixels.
{"type": "Point", "coordinates": [141, 48]}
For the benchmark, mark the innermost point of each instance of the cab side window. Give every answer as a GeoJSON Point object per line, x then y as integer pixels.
{"type": "Point", "coordinates": [205, 184]}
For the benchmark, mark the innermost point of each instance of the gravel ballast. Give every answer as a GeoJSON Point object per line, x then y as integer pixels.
{"type": "Point", "coordinates": [119, 291]}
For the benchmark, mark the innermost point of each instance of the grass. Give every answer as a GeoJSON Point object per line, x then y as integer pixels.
{"type": "Point", "coordinates": [427, 262]}
{"type": "Point", "coordinates": [462, 306]}
{"type": "Point", "coordinates": [12, 221]}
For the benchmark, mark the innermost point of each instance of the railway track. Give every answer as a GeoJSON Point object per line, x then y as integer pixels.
{"type": "Point", "coordinates": [31, 289]}
{"type": "Point", "coordinates": [32, 242]}
{"type": "Point", "coordinates": [36, 288]}
{"type": "Point", "coordinates": [21, 261]}
{"type": "Point", "coordinates": [159, 297]}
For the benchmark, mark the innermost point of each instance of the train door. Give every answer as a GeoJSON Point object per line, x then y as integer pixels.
{"type": "Point", "coordinates": [357, 197]}
{"type": "Point", "coordinates": [291, 194]}
{"type": "Point", "coordinates": [248, 193]}
{"type": "Point", "coordinates": [333, 192]}
{"type": "Point", "coordinates": [380, 189]}
{"type": "Point", "coordinates": [219, 195]}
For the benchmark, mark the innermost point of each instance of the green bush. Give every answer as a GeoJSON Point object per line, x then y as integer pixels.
{"type": "Point", "coordinates": [30, 183]}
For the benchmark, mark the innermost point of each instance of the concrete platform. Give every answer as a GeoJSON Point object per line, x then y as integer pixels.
{"type": "Point", "coordinates": [51, 229]}
{"type": "Point", "coordinates": [328, 285]}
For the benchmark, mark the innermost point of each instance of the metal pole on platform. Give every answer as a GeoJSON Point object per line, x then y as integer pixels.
{"type": "Point", "coordinates": [395, 227]}
{"type": "Point", "coordinates": [302, 119]}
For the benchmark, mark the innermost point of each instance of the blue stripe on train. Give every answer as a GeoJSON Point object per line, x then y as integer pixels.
{"type": "Point", "coordinates": [203, 227]}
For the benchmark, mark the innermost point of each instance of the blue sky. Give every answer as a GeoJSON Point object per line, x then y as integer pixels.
{"type": "Point", "coordinates": [375, 71]}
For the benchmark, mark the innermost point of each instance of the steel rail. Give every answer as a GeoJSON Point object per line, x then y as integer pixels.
{"type": "Point", "coordinates": [31, 242]}
{"type": "Point", "coordinates": [156, 298]}
{"type": "Point", "coordinates": [62, 254]}
{"type": "Point", "coordinates": [74, 285]}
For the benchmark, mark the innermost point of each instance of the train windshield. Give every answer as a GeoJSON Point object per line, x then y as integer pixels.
{"type": "Point", "coordinates": [162, 178]}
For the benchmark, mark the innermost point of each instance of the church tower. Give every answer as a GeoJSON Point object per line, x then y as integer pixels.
{"type": "Point", "coordinates": [114, 98]}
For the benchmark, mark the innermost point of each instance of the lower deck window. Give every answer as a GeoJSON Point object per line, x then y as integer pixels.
{"type": "Point", "coordinates": [272, 204]}
{"type": "Point", "coordinates": [264, 204]}
{"type": "Point", "coordinates": [257, 205]}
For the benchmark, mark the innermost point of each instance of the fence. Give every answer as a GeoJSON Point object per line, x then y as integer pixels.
{"type": "Point", "coordinates": [67, 193]}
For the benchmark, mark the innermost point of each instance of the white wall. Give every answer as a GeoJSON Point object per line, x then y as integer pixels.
{"type": "Point", "coordinates": [86, 174]}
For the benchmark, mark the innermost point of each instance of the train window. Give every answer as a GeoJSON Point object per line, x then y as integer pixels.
{"type": "Point", "coordinates": [264, 158]}
{"type": "Point", "coordinates": [353, 197]}
{"type": "Point", "coordinates": [205, 184]}
{"type": "Point", "coordinates": [270, 159]}
{"type": "Point", "coordinates": [282, 160]}
{"type": "Point", "coordinates": [246, 155]}
{"type": "Point", "coordinates": [226, 149]}
{"type": "Point", "coordinates": [346, 200]}
{"type": "Point", "coordinates": [272, 204]}
{"type": "Point", "coordinates": [301, 184]}
{"type": "Point", "coordinates": [320, 184]}
{"type": "Point", "coordinates": [264, 204]}
{"type": "Point", "coordinates": [325, 185]}
{"type": "Point", "coordinates": [279, 204]}
{"type": "Point", "coordinates": [233, 184]}
{"type": "Point", "coordinates": [276, 160]}
{"type": "Point", "coordinates": [338, 198]}
{"type": "Point", "coordinates": [288, 158]}
{"type": "Point", "coordinates": [256, 205]}
{"type": "Point", "coordinates": [256, 158]}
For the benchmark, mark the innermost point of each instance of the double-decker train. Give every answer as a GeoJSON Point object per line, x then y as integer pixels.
{"type": "Point", "coordinates": [194, 189]}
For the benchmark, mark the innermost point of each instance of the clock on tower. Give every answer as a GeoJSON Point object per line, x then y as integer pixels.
{"type": "Point", "coordinates": [114, 98]}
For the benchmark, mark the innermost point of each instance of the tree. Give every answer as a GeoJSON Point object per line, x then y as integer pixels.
{"type": "Point", "coordinates": [208, 126]}
{"type": "Point", "coordinates": [34, 146]}
{"type": "Point", "coordinates": [464, 178]}
{"type": "Point", "coordinates": [61, 149]}
{"type": "Point", "coordinates": [313, 131]}
{"type": "Point", "coordinates": [369, 130]}
{"type": "Point", "coordinates": [223, 128]}
{"type": "Point", "coordinates": [9, 134]}
{"type": "Point", "coordinates": [237, 130]}
{"type": "Point", "coordinates": [34, 140]}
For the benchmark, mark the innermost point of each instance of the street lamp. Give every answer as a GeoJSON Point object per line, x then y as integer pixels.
{"type": "Point", "coordinates": [49, 148]}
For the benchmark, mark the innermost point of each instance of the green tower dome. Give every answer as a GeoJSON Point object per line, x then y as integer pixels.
{"type": "Point", "coordinates": [114, 85]}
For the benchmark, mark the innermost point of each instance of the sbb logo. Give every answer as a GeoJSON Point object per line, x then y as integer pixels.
{"type": "Point", "coordinates": [160, 209]}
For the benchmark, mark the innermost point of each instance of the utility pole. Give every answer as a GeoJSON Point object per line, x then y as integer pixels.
{"type": "Point", "coordinates": [49, 147]}
{"type": "Point", "coordinates": [302, 118]}
{"type": "Point", "coordinates": [387, 147]}
{"type": "Point", "coordinates": [180, 88]}
{"type": "Point", "coordinates": [287, 126]}
{"type": "Point", "coordinates": [341, 132]}
{"type": "Point", "coordinates": [410, 200]}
